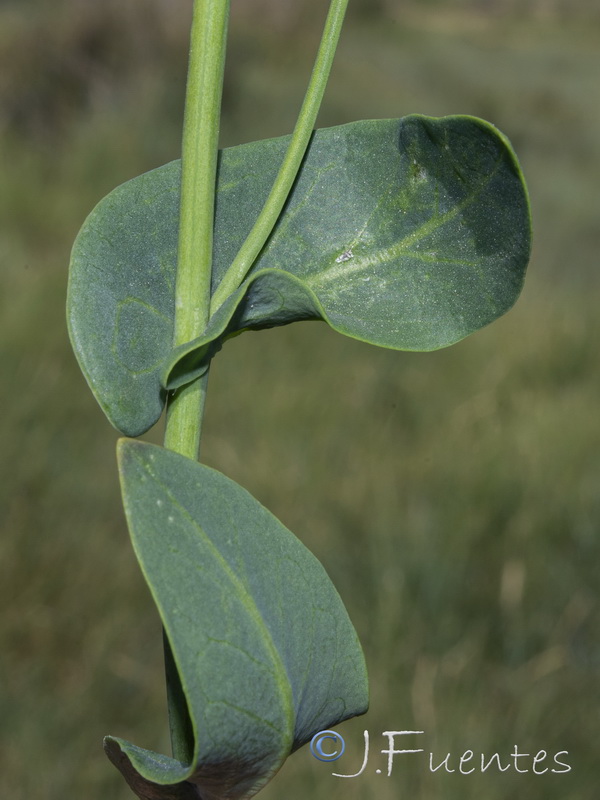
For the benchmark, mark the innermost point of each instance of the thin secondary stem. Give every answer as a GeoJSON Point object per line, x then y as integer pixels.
{"type": "Point", "coordinates": [267, 218]}
{"type": "Point", "coordinates": [198, 178]}
{"type": "Point", "coordinates": [194, 270]}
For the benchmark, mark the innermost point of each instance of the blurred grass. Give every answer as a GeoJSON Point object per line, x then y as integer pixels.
{"type": "Point", "coordinates": [453, 497]}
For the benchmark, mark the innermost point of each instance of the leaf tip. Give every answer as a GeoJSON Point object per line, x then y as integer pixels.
{"type": "Point", "coordinates": [126, 448]}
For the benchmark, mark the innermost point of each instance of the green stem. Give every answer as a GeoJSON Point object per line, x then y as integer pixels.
{"type": "Point", "coordinates": [193, 305]}
{"type": "Point", "coordinates": [194, 270]}
{"type": "Point", "coordinates": [267, 218]}
{"type": "Point", "coordinates": [198, 179]}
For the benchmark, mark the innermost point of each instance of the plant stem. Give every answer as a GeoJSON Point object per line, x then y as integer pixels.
{"type": "Point", "coordinates": [193, 305]}
{"type": "Point", "coordinates": [198, 178]}
{"type": "Point", "coordinates": [288, 171]}
{"type": "Point", "coordinates": [194, 270]}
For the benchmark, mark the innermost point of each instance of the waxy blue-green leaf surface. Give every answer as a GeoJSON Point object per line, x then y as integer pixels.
{"type": "Point", "coordinates": [263, 645]}
{"type": "Point", "coordinates": [408, 234]}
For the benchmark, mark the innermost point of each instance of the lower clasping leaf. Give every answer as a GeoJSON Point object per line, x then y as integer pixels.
{"type": "Point", "coordinates": [264, 649]}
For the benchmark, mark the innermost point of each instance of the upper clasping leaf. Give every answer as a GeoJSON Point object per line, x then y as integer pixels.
{"type": "Point", "coordinates": [409, 234]}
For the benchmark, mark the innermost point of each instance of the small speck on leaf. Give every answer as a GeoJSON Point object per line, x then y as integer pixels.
{"type": "Point", "coordinates": [345, 256]}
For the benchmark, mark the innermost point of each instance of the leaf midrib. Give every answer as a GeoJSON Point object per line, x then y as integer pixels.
{"type": "Point", "coordinates": [360, 263]}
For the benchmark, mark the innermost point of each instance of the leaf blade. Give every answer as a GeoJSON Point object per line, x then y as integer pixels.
{"type": "Point", "coordinates": [408, 234]}
{"type": "Point", "coordinates": [120, 302]}
{"type": "Point", "coordinates": [250, 660]}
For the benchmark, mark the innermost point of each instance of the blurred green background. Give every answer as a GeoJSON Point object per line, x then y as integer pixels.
{"type": "Point", "coordinates": [453, 497]}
